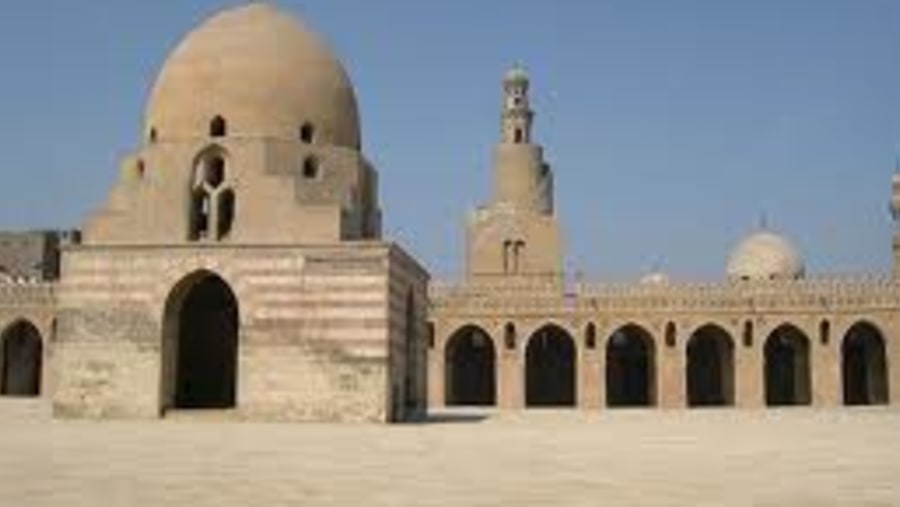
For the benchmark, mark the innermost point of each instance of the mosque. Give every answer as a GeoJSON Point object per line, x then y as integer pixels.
{"type": "Point", "coordinates": [238, 266]}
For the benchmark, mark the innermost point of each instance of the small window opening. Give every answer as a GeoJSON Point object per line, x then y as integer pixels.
{"type": "Point", "coordinates": [225, 216]}
{"type": "Point", "coordinates": [153, 135]}
{"type": "Point", "coordinates": [200, 211]}
{"type": "Point", "coordinates": [825, 332]}
{"type": "Point", "coordinates": [671, 332]}
{"type": "Point", "coordinates": [518, 136]}
{"type": "Point", "coordinates": [311, 168]}
{"type": "Point", "coordinates": [214, 171]}
{"type": "Point", "coordinates": [431, 335]}
{"type": "Point", "coordinates": [218, 127]}
{"type": "Point", "coordinates": [307, 133]}
{"type": "Point", "coordinates": [748, 334]}
{"type": "Point", "coordinates": [590, 336]}
{"type": "Point", "coordinates": [509, 336]}
{"type": "Point", "coordinates": [140, 169]}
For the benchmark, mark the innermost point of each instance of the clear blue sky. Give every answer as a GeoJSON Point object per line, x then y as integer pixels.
{"type": "Point", "coordinates": [671, 125]}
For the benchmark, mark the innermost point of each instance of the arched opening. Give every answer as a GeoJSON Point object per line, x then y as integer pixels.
{"type": "Point", "coordinates": [470, 368]}
{"type": "Point", "coordinates": [787, 372]}
{"type": "Point", "coordinates": [214, 171]}
{"type": "Point", "coordinates": [864, 366]}
{"type": "Point", "coordinates": [218, 127]}
{"type": "Point", "coordinates": [22, 360]}
{"type": "Point", "coordinates": [509, 336]}
{"type": "Point", "coordinates": [710, 367]}
{"type": "Point", "coordinates": [307, 133]}
{"type": "Point", "coordinates": [226, 212]}
{"type": "Point", "coordinates": [550, 368]}
{"type": "Point", "coordinates": [311, 168]}
{"type": "Point", "coordinates": [200, 211]}
{"type": "Point", "coordinates": [630, 368]}
{"type": "Point", "coordinates": [201, 344]}
{"type": "Point", "coordinates": [590, 336]}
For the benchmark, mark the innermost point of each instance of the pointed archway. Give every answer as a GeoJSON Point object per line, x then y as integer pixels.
{"type": "Point", "coordinates": [22, 360]}
{"type": "Point", "coordinates": [788, 377]}
{"type": "Point", "coordinates": [470, 368]}
{"type": "Point", "coordinates": [864, 366]}
{"type": "Point", "coordinates": [201, 344]}
{"type": "Point", "coordinates": [710, 367]}
{"type": "Point", "coordinates": [550, 368]}
{"type": "Point", "coordinates": [630, 368]}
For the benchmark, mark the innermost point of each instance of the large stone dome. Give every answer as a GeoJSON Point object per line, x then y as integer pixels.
{"type": "Point", "coordinates": [260, 70]}
{"type": "Point", "coordinates": [765, 255]}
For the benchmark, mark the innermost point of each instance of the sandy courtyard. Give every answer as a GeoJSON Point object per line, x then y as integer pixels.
{"type": "Point", "coordinates": [787, 457]}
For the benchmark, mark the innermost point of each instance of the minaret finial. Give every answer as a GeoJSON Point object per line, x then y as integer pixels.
{"type": "Point", "coordinates": [763, 220]}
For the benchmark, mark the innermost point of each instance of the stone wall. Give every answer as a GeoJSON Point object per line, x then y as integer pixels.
{"type": "Point", "coordinates": [529, 304]}
{"type": "Point", "coordinates": [313, 338]}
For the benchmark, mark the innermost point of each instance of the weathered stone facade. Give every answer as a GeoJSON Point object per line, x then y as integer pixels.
{"type": "Point", "coordinates": [513, 334]}
{"type": "Point", "coordinates": [237, 264]}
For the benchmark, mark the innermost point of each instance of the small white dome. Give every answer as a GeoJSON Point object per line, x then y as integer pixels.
{"type": "Point", "coordinates": [765, 255]}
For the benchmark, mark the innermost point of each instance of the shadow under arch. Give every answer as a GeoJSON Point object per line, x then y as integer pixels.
{"type": "Point", "coordinates": [201, 322]}
{"type": "Point", "coordinates": [631, 368]}
{"type": "Point", "coordinates": [787, 373]}
{"type": "Point", "coordinates": [550, 368]}
{"type": "Point", "coordinates": [22, 360]}
{"type": "Point", "coordinates": [864, 368]}
{"type": "Point", "coordinates": [710, 367]}
{"type": "Point", "coordinates": [470, 368]}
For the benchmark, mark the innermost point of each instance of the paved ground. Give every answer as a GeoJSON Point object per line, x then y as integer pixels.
{"type": "Point", "coordinates": [788, 457]}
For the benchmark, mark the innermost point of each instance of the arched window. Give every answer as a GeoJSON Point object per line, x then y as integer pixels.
{"type": "Point", "coordinates": [225, 208]}
{"type": "Point", "coordinates": [824, 332]}
{"type": "Point", "coordinates": [153, 135]}
{"type": "Point", "coordinates": [214, 171]}
{"type": "Point", "coordinates": [200, 213]}
{"type": "Point", "coordinates": [311, 168]}
{"type": "Point", "coordinates": [671, 337]}
{"type": "Point", "coordinates": [213, 203]}
{"type": "Point", "coordinates": [509, 336]}
{"type": "Point", "coordinates": [218, 127]}
{"type": "Point", "coordinates": [307, 133]}
{"type": "Point", "coordinates": [590, 336]}
{"type": "Point", "coordinates": [518, 136]}
{"type": "Point", "coordinates": [748, 334]}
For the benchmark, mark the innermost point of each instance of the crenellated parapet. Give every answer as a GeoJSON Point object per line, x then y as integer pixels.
{"type": "Point", "coordinates": [27, 293]}
{"type": "Point", "coordinates": [551, 295]}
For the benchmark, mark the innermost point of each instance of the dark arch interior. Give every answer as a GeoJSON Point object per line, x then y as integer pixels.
{"type": "Point", "coordinates": [787, 371]}
{"type": "Point", "coordinates": [710, 368]}
{"type": "Point", "coordinates": [630, 368]}
{"type": "Point", "coordinates": [206, 368]}
{"type": "Point", "coordinates": [22, 358]}
{"type": "Point", "coordinates": [864, 366]}
{"type": "Point", "coordinates": [550, 369]}
{"type": "Point", "coordinates": [470, 366]}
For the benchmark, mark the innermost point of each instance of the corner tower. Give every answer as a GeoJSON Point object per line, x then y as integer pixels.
{"type": "Point", "coordinates": [516, 233]}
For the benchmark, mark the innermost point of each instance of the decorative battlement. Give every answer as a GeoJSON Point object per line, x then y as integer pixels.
{"type": "Point", "coordinates": [26, 292]}
{"type": "Point", "coordinates": [549, 294]}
